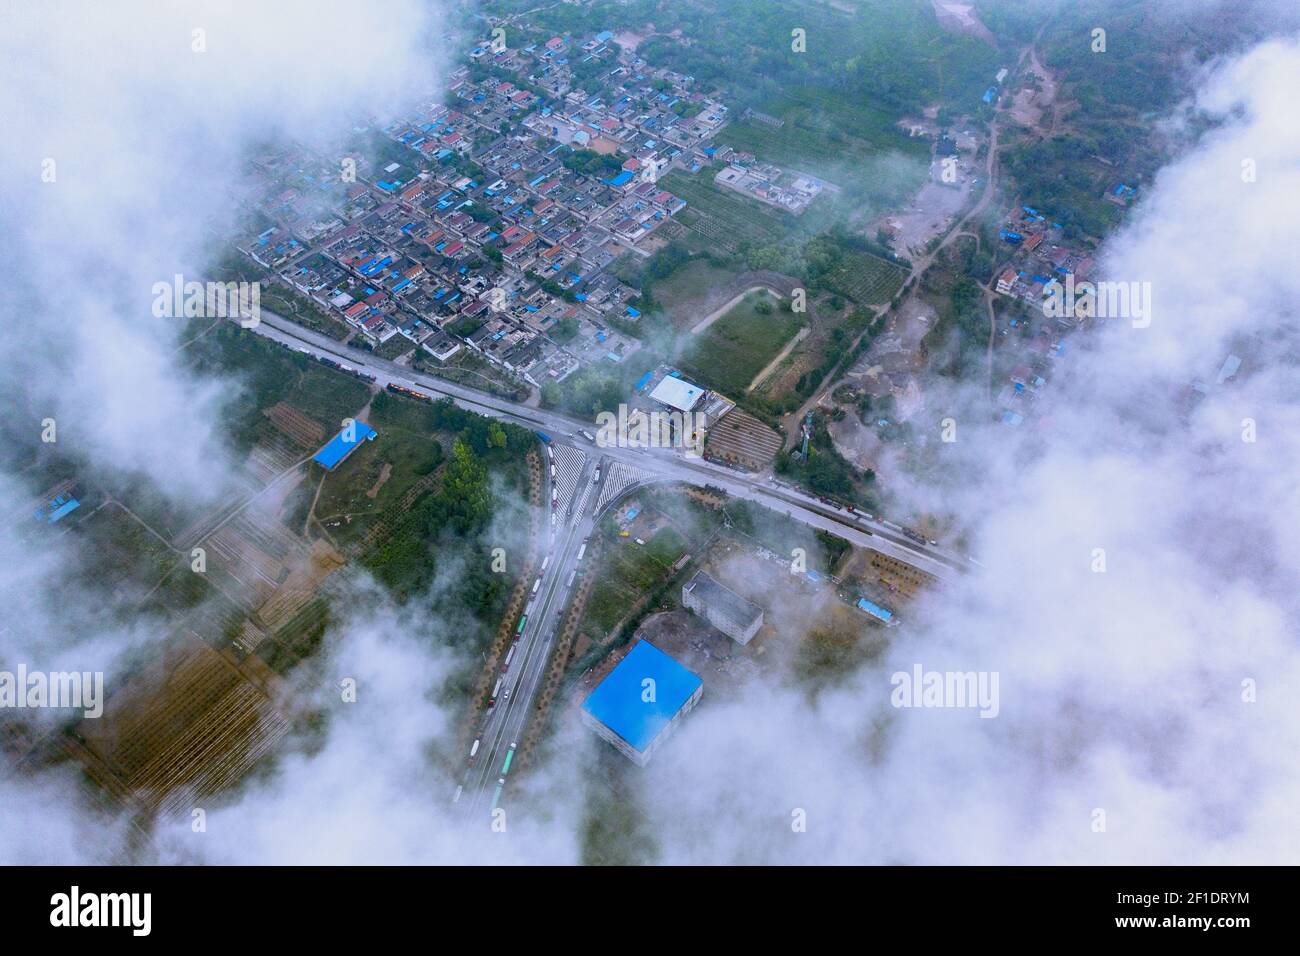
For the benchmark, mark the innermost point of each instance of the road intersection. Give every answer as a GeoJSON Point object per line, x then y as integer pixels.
{"type": "Point", "coordinates": [573, 517]}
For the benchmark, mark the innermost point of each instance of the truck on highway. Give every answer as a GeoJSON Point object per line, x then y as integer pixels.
{"type": "Point", "coordinates": [582, 550]}
{"type": "Point", "coordinates": [409, 393]}
{"type": "Point", "coordinates": [537, 584]}
{"type": "Point", "coordinates": [473, 750]}
{"type": "Point", "coordinates": [543, 436]}
{"type": "Point", "coordinates": [509, 657]}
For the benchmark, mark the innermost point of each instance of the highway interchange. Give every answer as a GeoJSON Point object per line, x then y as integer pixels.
{"type": "Point", "coordinates": [572, 523]}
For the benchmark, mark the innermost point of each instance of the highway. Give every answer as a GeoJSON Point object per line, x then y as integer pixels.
{"type": "Point", "coordinates": [666, 463]}
{"type": "Point", "coordinates": [504, 725]}
{"type": "Point", "coordinates": [571, 523]}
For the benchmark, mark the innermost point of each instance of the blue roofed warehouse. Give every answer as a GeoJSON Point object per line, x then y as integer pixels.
{"type": "Point", "coordinates": [639, 702]}
{"type": "Point", "coordinates": [343, 444]}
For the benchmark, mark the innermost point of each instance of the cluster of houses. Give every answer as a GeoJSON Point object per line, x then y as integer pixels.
{"type": "Point", "coordinates": [1041, 260]}
{"type": "Point", "coordinates": [473, 231]}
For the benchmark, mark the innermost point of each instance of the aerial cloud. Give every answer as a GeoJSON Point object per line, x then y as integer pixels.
{"type": "Point", "coordinates": [1146, 710]}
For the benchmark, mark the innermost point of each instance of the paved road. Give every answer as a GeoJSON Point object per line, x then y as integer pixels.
{"type": "Point", "coordinates": [505, 722]}
{"type": "Point", "coordinates": [668, 463]}
{"type": "Point", "coordinates": [569, 528]}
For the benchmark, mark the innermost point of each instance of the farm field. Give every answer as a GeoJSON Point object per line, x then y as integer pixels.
{"type": "Point", "coordinates": [866, 279]}
{"type": "Point", "coordinates": [724, 219]}
{"type": "Point", "coordinates": [819, 114]}
{"type": "Point", "coordinates": [848, 143]}
{"type": "Point", "coordinates": [729, 353]}
{"type": "Point", "coordinates": [123, 557]}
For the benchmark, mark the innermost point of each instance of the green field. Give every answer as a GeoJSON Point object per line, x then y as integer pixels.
{"type": "Point", "coordinates": [122, 557]}
{"type": "Point", "coordinates": [724, 218]}
{"type": "Point", "coordinates": [683, 294]}
{"type": "Point", "coordinates": [630, 570]}
{"type": "Point", "coordinates": [378, 474]}
{"type": "Point", "coordinates": [729, 353]}
{"type": "Point", "coordinates": [866, 279]}
{"type": "Point", "coordinates": [821, 132]}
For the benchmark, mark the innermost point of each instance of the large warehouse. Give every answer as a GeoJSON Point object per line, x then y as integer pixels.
{"type": "Point", "coordinates": [638, 704]}
{"type": "Point", "coordinates": [343, 444]}
{"type": "Point", "coordinates": [677, 393]}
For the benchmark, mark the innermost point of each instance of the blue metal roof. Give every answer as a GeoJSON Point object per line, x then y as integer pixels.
{"type": "Point", "coordinates": [618, 700]}
{"type": "Point", "coordinates": [874, 609]}
{"type": "Point", "coordinates": [56, 508]}
{"type": "Point", "coordinates": [339, 447]}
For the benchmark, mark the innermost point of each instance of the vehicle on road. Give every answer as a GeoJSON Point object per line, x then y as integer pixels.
{"type": "Point", "coordinates": [543, 436]}
{"type": "Point", "coordinates": [473, 750]}
{"type": "Point", "coordinates": [589, 436]}
{"type": "Point", "coordinates": [409, 393]}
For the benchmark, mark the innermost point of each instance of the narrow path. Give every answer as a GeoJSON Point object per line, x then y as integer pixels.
{"type": "Point", "coordinates": [780, 357]}
{"type": "Point", "coordinates": [730, 304]}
